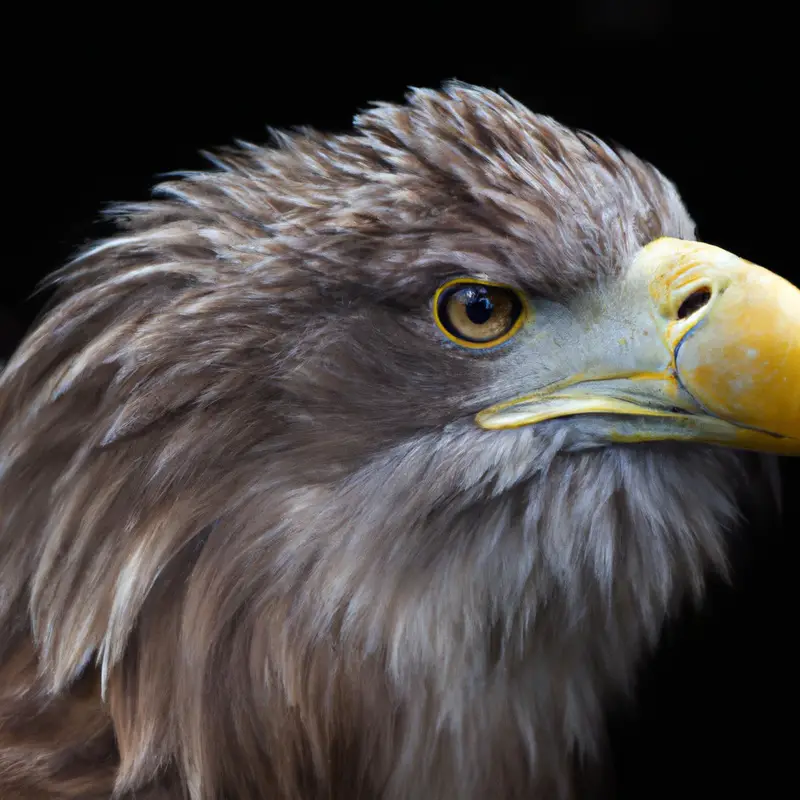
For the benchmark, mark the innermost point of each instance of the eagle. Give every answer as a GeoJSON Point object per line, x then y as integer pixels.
{"type": "Point", "coordinates": [369, 466]}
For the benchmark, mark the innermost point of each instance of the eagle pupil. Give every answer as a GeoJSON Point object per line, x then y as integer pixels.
{"type": "Point", "coordinates": [479, 308]}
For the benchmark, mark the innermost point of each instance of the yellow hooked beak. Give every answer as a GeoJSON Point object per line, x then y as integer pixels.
{"type": "Point", "coordinates": [698, 345]}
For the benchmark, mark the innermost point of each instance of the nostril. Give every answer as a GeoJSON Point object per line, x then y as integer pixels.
{"type": "Point", "coordinates": [694, 302]}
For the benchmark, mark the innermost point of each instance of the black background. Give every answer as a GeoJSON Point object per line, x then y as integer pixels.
{"type": "Point", "coordinates": [98, 104]}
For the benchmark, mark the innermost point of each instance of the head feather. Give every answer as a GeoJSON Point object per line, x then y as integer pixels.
{"type": "Point", "coordinates": [237, 472]}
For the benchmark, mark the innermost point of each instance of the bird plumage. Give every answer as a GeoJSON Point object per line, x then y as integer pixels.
{"type": "Point", "coordinates": [253, 543]}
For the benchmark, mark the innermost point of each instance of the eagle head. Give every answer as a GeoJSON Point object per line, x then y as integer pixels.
{"type": "Point", "coordinates": [368, 465]}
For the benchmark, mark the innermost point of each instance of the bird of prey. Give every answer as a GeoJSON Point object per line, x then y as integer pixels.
{"type": "Point", "coordinates": [368, 466]}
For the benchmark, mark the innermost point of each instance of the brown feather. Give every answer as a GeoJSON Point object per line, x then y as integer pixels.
{"type": "Point", "coordinates": [253, 545]}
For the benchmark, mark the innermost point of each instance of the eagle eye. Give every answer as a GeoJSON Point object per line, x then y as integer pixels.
{"type": "Point", "coordinates": [477, 314]}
